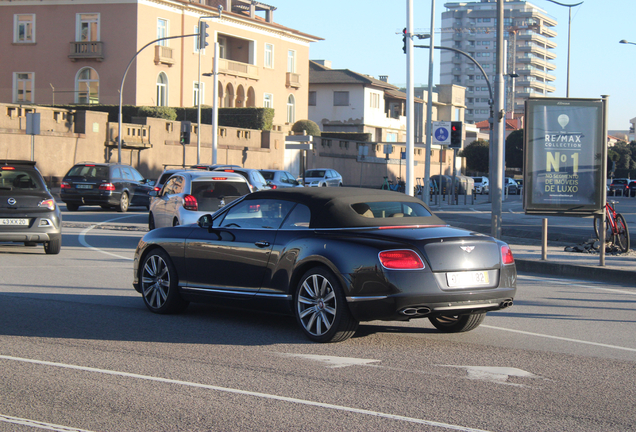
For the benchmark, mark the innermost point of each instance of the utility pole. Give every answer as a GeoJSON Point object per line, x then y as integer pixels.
{"type": "Point", "coordinates": [410, 118]}
{"type": "Point", "coordinates": [496, 163]}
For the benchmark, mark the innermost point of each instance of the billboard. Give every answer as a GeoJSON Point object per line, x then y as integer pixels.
{"type": "Point", "coordinates": [564, 156]}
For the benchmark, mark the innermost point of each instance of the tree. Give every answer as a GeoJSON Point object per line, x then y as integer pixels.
{"type": "Point", "coordinates": [477, 157]}
{"type": "Point", "coordinates": [514, 149]}
{"type": "Point", "coordinates": [306, 125]}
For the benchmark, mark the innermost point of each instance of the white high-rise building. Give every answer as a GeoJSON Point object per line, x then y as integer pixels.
{"type": "Point", "coordinates": [471, 27]}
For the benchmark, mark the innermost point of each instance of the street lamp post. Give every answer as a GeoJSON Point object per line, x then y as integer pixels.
{"type": "Point", "coordinates": [569, 6]}
{"type": "Point", "coordinates": [199, 91]}
{"type": "Point", "coordinates": [626, 42]}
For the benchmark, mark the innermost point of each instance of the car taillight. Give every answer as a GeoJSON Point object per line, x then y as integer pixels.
{"type": "Point", "coordinates": [107, 187]}
{"type": "Point", "coordinates": [156, 189]}
{"type": "Point", "coordinates": [8, 168]}
{"type": "Point", "coordinates": [273, 186]}
{"type": "Point", "coordinates": [506, 255]}
{"type": "Point", "coordinates": [49, 204]}
{"type": "Point", "coordinates": [190, 203]}
{"type": "Point", "coordinates": [400, 260]}
{"type": "Point", "coordinates": [65, 185]}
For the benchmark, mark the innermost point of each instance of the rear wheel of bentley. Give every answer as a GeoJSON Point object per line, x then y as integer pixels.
{"type": "Point", "coordinates": [457, 323]}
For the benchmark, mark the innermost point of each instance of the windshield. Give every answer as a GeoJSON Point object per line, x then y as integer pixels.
{"type": "Point", "coordinates": [89, 172]}
{"type": "Point", "coordinates": [315, 173]}
{"type": "Point", "coordinates": [212, 195]}
{"type": "Point", "coordinates": [17, 179]}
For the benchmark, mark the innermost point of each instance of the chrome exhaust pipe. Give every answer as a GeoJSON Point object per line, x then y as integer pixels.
{"type": "Point", "coordinates": [416, 311]}
{"type": "Point", "coordinates": [505, 304]}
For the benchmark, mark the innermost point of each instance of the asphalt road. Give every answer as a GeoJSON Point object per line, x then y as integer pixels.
{"type": "Point", "coordinates": [79, 350]}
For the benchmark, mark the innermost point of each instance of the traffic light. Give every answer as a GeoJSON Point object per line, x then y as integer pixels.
{"type": "Point", "coordinates": [186, 127]}
{"type": "Point", "coordinates": [203, 34]}
{"type": "Point", "coordinates": [456, 134]}
{"type": "Point", "coordinates": [404, 36]}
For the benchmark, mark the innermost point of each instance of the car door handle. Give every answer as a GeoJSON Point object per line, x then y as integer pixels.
{"type": "Point", "coordinates": [262, 244]}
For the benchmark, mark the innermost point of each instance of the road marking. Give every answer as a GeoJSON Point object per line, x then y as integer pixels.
{"type": "Point", "coordinates": [246, 393]}
{"type": "Point", "coordinates": [84, 243]}
{"type": "Point", "coordinates": [560, 338]}
{"type": "Point", "coordinates": [333, 362]}
{"type": "Point", "coordinates": [497, 375]}
{"type": "Point", "coordinates": [39, 425]}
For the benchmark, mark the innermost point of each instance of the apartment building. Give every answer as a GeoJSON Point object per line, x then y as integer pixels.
{"type": "Point", "coordinates": [529, 33]}
{"type": "Point", "coordinates": [76, 51]}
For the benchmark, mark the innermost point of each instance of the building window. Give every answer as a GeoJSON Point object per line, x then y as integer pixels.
{"type": "Point", "coordinates": [24, 28]}
{"type": "Point", "coordinates": [162, 90]}
{"type": "Point", "coordinates": [23, 87]}
{"type": "Point", "coordinates": [195, 97]}
{"type": "Point", "coordinates": [87, 27]}
{"type": "Point", "coordinates": [341, 98]}
{"type": "Point", "coordinates": [374, 100]}
{"type": "Point", "coordinates": [291, 109]}
{"type": "Point", "coordinates": [87, 86]}
{"type": "Point", "coordinates": [268, 100]}
{"type": "Point", "coordinates": [222, 48]}
{"type": "Point", "coordinates": [291, 61]}
{"type": "Point", "coordinates": [162, 31]}
{"type": "Point", "coordinates": [312, 98]}
{"type": "Point", "coordinates": [269, 56]}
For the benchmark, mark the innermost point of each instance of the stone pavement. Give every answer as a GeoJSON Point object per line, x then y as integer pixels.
{"type": "Point", "coordinates": [619, 268]}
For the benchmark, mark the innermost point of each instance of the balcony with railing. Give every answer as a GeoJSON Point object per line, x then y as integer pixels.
{"type": "Point", "coordinates": [238, 69]}
{"type": "Point", "coordinates": [164, 55]}
{"type": "Point", "coordinates": [292, 80]}
{"type": "Point", "coordinates": [87, 50]}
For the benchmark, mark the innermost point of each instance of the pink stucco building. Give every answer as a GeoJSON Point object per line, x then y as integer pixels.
{"type": "Point", "coordinates": [63, 51]}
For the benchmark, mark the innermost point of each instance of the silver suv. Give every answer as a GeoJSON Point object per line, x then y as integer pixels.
{"type": "Point", "coordinates": [481, 185]}
{"type": "Point", "coordinates": [188, 195]}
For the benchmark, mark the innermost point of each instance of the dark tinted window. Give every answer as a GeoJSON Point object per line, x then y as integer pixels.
{"type": "Point", "coordinates": [127, 174]}
{"type": "Point", "coordinates": [90, 172]}
{"type": "Point", "coordinates": [263, 213]}
{"type": "Point", "coordinates": [390, 209]}
{"type": "Point", "coordinates": [17, 179]}
{"type": "Point", "coordinates": [138, 177]}
{"type": "Point", "coordinates": [212, 195]}
{"type": "Point", "coordinates": [268, 175]}
{"type": "Point", "coordinates": [298, 219]}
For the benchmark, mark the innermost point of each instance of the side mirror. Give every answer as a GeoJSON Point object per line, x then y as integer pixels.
{"type": "Point", "coordinates": [205, 221]}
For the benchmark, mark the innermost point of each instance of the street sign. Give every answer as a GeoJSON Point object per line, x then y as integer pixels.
{"type": "Point", "coordinates": [299, 146]}
{"type": "Point", "coordinates": [299, 138]}
{"type": "Point", "coordinates": [388, 148]}
{"type": "Point", "coordinates": [441, 133]}
{"type": "Point", "coordinates": [33, 124]}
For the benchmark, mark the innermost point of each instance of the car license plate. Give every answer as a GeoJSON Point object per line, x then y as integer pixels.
{"type": "Point", "coordinates": [84, 186]}
{"type": "Point", "coordinates": [467, 279]}
{"type": "Point", "coordinates": [14, 221]}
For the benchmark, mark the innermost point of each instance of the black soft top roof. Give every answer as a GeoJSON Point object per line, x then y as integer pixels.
{"type": "Point", "coordinates": [331, 207]}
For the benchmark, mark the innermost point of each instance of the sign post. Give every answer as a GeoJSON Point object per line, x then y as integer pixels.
{"type": "Point", "coordinates": [33, 129]}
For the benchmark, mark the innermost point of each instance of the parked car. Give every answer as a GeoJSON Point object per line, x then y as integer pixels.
{"type": "Point", "coordinates": [279, 179]}
{"type": "Point", "coordinates": [321, 177]}
{"type": "Point", "coordinates": [105, 184]}
{"type": "Point", "coordinates": [481, 185]}
{"type": "Point", "coordinates": [331, 257]}
{"type": "Point", "coordinates": [28, 212]}
{"type": "Point", "coordinates": [187, 195]}
{"type": "Point", "coordinates": [632, 188]}
{"type": "Point", "coordinates": [619, 186]}
{"type": "Point", "coordinates": [511, 187]}
{"type": "Point", "coordinates": [253, 177]}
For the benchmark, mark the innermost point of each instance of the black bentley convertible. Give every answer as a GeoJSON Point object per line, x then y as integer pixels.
{"type": "Point", "coordinates": [332, 257]}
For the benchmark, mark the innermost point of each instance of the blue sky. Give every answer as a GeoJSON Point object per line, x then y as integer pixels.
{"type": "Point", "coordinates": [365, 36]}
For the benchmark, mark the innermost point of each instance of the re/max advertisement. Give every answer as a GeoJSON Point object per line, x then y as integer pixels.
{"type": "Point", "coordinates": [564, 156]}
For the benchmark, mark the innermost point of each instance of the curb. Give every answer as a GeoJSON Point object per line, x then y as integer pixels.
{"type": "Point", "coordinates": [594, 273]}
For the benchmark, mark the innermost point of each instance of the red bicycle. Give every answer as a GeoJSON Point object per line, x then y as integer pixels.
{"type": "Point", "coordinates": [616, 231]}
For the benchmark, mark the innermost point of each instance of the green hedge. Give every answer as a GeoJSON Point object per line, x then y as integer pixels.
{"type": "Point", "coordinates": [347, 136]}
{"type": "Point", "coordinates": [245, 118]}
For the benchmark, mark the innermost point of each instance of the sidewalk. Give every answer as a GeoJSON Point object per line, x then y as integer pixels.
{"type": "Point", "coordinates": [619, 268]}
